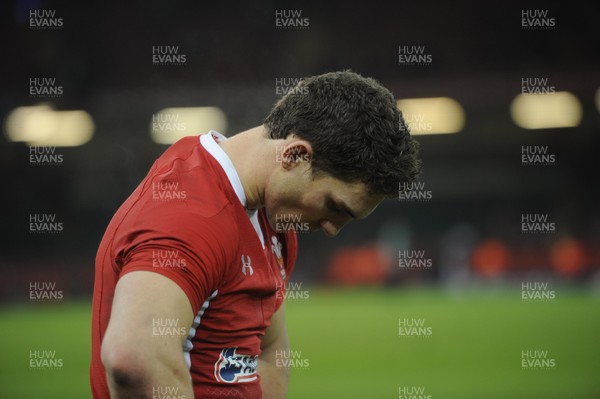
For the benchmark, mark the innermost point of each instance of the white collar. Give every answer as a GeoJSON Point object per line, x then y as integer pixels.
{"type": "Point", "coordinates": [210, 142]}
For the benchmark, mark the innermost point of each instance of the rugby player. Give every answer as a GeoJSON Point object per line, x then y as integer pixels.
{"type": "Point", "coordinates": [190, 272]}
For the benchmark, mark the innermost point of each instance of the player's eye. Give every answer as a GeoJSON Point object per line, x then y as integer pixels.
{"type": "Point", "coordinates": [332, 207]}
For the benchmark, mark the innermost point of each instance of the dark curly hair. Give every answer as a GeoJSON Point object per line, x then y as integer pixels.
{"type": "Point", "coordinates": [356, 130]}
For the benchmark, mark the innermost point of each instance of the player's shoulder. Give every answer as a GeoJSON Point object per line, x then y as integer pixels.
{"type": "Point", "coordinates": [186, 177]}
{"type": "Point", "coordinates": [185, 195]}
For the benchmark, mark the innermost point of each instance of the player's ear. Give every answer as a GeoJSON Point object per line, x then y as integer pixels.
{"type": "Point", "coordinates": [296, 153]}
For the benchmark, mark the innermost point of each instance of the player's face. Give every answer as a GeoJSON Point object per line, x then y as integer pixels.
{"type": "Point", "coordinates": [300, 202]}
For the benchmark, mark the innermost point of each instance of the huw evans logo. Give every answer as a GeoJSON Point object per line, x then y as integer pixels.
{"type": "Point", "coordinates": [167, 327]}
{"type": "Point", "coordinates": [168, 392]}
{"type": "Point", "coordinates": [537, 19]}
{"type": "Point", "coordinates": [291, 19]}
{"type": "Point", "coordinates": [44, 156]}
{"type": "Point", "coordinates": [536, 223]}
{"type": "Point", "coordinates": [413, 392]}
{"type": "Point", "coordinates": [413, 55]}
{"type": "Point", "coordinates": [168, 189]}
{"type": "Point", "coordinates": [291, 359]}
{"type": "Point", "coordinates": [44, 19]}
{"type": "Point", "coordinates": [40, 223]}
{"type": "Point", "coordinates": [536, 86]}
{"type": "Point", "coordinates": [413, 328]}
{"type": "Point", "coordinates": [168, 258]}
{"type": "Point", "coordinates": [537, 155]}
{"type": "Point", "coordinates": [232, 368]}
{"type": "Point", "coordinates": [413, 260]}
{"type": "Point", "coordinates": [417, 122]}
{"type": "Point", "coordinates": [536, 291]}
{"type": "Point", "coordinates": [42, 291]}
{"type": "Point", "coordinates": [44, 360]}
{"type": "Point", "coordinates": [294, 154]}
{"type": "Point", "coordinates": [285, 86]}
{"type": "Point", "coordinates": [290, 221]}
{"type": "Point", "coordinates": [291, 291]}
{"type": "Point", "coordinates": [167, 122]}
{"type": "Point", "coordinates": [537, 360]}
{"type": "Point", "coordinates": [44, 87]}
{"type": "Point", "coordinates": [167, 55]}
{"type": "Point", "coordinates": [414, 192]}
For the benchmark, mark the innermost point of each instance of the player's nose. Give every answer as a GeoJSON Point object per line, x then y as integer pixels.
{"type": "Point", "coordinates": [329, 228]}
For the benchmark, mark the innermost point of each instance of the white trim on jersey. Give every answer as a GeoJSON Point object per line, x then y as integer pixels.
{"type": "Point", "coordinates": [187, 345]}
{"type": "Point", "coordinates": [254, 220]}
{"type": "Point", "coordinates": [211, 145]}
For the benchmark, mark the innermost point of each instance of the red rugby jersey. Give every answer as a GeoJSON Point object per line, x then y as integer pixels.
{"type": "Point", "coordinates": [186, 220]}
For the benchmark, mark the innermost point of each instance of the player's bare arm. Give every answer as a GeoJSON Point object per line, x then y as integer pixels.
{"type": "Point", "coordinates": [274, 378]}
{"type": "Point", "coordinates": [136, 361]}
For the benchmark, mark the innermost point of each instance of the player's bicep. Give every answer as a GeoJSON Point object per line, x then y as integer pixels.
{"type": "Point", "coordinates": [149, 321]}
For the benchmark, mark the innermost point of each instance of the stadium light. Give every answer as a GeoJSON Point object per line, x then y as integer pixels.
{"type": "Point", "coordinates": [40, 125]}
{"type": "Point", "coordinates": [545, 111]}
{"type": "Point", "coordinates": [171, 124]}
{"type": "Point", "coordinates": [435, 115]}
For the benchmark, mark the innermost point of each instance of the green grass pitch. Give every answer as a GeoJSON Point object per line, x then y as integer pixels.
{"type": "Point", "coordinates": [346, 344]}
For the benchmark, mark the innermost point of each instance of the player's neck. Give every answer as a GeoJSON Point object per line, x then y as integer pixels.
{"type": "Point", "coordinates": [250, 158]}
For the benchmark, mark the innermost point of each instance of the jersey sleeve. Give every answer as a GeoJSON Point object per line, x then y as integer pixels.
{"type": "Point", "coordinates": [188, 249]}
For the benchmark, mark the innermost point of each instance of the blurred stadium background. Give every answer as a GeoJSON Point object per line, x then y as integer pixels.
{"type": "Point", "coordinates": [455, 256]}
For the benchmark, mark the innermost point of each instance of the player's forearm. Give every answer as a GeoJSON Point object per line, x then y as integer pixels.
{"type": "Point", "coordinates": [274, 376]}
